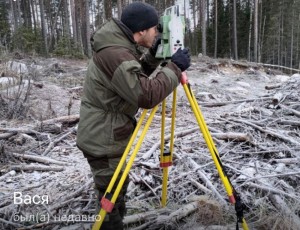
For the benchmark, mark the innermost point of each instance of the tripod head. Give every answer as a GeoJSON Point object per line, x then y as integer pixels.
{"type": "Point", "coordinates": [172, 28]}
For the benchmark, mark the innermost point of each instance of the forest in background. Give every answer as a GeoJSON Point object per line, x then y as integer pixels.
{"type": "Point", "coordinates": [252, 30]}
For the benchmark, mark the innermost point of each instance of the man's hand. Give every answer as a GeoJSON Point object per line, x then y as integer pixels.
{"type": "Point", "coordinates": [182, 59]}
{"type": "Point", "coordinates": [155, 45]}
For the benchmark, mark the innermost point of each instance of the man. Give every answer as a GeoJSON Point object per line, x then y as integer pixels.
{"type": "Point", "coordinates": [116, 86]}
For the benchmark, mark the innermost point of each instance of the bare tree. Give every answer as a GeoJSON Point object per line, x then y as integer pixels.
{"type": "Point", "coordinates": [107, 9]}
{"type": "Point", "coordinates": [194, 42]}
{"type": "Point", "coordinates": [43, 25]}
{"type": "Point", "coordinates": [32, 3]}
{"type": "Point", "coordinates": [235, 47]}
{"type": "Point", "coordinates": [255, 29]}
{"type": "Point", "coordinates": [88, 28]}
{"type": "Point", "coordinates": [203, 25]}
{"type": "Point", "coordinates": [85, 26]}
{"type": "Point", "coordinates": [53, 27]}
{"type": "Point", "coordinates": [216, 29]}
{"type": "Point", "coordinates": [292, 37]}
{"type": "Point", "coordinates": [119, 4]}
{"type": "Point", "coordinates": [73, 17]}
{"type": "Point", "coordinates": [13, 15]}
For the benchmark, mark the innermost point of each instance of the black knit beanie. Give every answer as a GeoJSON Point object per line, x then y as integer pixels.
{"type": "Point", "coordinates": [139, 16]}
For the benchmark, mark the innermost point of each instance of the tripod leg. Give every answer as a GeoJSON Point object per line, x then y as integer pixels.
{"type": "Point", "coordinates": [108, 200]}
{"type": "Point", "coordinates": [167, 156]}
{"type": "Point", "coordinates": [162, 156]}
{"type": "Point", "coordinates": [211, 146]}
{"type": "Point", "coordinates": [209, 142]}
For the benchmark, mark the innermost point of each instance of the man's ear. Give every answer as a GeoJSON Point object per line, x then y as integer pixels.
{"type": "Point", "coordinates": [142, 33]}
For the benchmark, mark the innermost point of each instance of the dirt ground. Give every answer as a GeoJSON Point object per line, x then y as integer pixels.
{"type": "Point", "coordinates": [229, 94]}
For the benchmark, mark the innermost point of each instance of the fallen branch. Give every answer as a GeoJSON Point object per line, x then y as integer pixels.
{"type": "Point", "coordinates": [288, 122]}
{"type": "Point", "coordinates": [274, 175]}
{"type": "Point", "coordinates": [140, 217]}
{"type": "Point", "coordinates": [53, 143]}
{"type": "Point", "coordinates": [40, 159]}
{"type": "Point", "coordinates": [200, 186]}
{"type": "Point", "coordinates": [19, 130]}
{"type": "Point", "coordinates": [10, 223]}
{"type": "Point", "coordinates": [215, 104]}
{"type": "Point", "coordinates": [268, 131]}
{"type": "Point", "coordinates": [269, 189]}
{"type": "Point", "coordinates": [287, 160]}
{"type": "Point", "coordinates": [149, 153]}
{"type": "Point", "coordinates": [196, 168]}
{"type": "Point", "coordinates": [50, 128]}
{"type": "Point", "coordinates": [24, 167]}
{"type": "Point", "coordinates": [7, 135]}
{"type": "Point", "coordinates": [294, 221]}
{"type": "Point", "coordinates": [64, 119]}
{"type": "Point", "coordinates": [293, 111]}
{"type": "Point", "coordinates": [163, 216]}
{"type": "Point", "coordinates": [242, 137]}
{"type": "Point", "coordinates": [72, 196]}
{"type": "Point", "coordinates": [281, 67]}
{"type": "Point", "coordinates": [179, 213]}
{"type": "Point", "coordinates": [274, 86]}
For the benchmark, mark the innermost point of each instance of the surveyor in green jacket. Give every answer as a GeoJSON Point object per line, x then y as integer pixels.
{"type": "Point", "coordinates": [117, 84]}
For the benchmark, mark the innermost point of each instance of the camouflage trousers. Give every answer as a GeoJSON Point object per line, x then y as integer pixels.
{"type": "Point", "coordinates": [103, 169]}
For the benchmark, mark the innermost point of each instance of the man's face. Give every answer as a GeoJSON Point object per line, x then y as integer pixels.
{"type": "Point", "coordinates": [148, 37]}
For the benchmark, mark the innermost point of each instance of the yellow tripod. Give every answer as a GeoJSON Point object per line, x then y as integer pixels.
{"type": "Point", "coordinates": [108, 200]}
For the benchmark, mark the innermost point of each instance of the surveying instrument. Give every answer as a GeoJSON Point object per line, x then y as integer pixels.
{"type": "Point", "coordinates": [172, 28]}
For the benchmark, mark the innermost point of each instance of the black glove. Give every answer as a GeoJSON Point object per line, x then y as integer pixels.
{"type": "Point", "coordinates": [154, 46]}
{"type": "Point", "coordinates": [182, 59]}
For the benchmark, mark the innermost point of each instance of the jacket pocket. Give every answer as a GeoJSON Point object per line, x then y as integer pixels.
{"type": "Point", "coordinates": [123, 132]}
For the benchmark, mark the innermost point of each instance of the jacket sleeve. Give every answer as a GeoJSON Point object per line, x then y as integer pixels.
{"type": "Point", "coordinates": [137, 88]}
{"type": "Point", "coordinates": [149, 63]}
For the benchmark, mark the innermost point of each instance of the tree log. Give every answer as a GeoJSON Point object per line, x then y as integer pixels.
{"type": "Point", "coordinates": [277, 98]}
{"type": "Point", "coordinates": [274, 86]}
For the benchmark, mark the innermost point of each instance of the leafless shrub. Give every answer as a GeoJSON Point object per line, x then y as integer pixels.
{"type": "Point", "coordinates": [14, 100]}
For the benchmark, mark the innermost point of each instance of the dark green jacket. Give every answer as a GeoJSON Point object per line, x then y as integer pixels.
{"type": "Point", "coordinates": [116, 85]}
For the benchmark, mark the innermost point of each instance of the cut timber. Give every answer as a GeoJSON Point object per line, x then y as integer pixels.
{"type": "Point", "coordinates": [277, 98]}
{"type": "Point", "coordinates": [274, 86]}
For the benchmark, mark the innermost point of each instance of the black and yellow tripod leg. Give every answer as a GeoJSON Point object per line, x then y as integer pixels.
{"type": "Point", "coordinates": [210, 144]}
{"type": "Point", "coordinates": [108, 200]}
{"type": "Point", "coordinates": [166, 156]}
